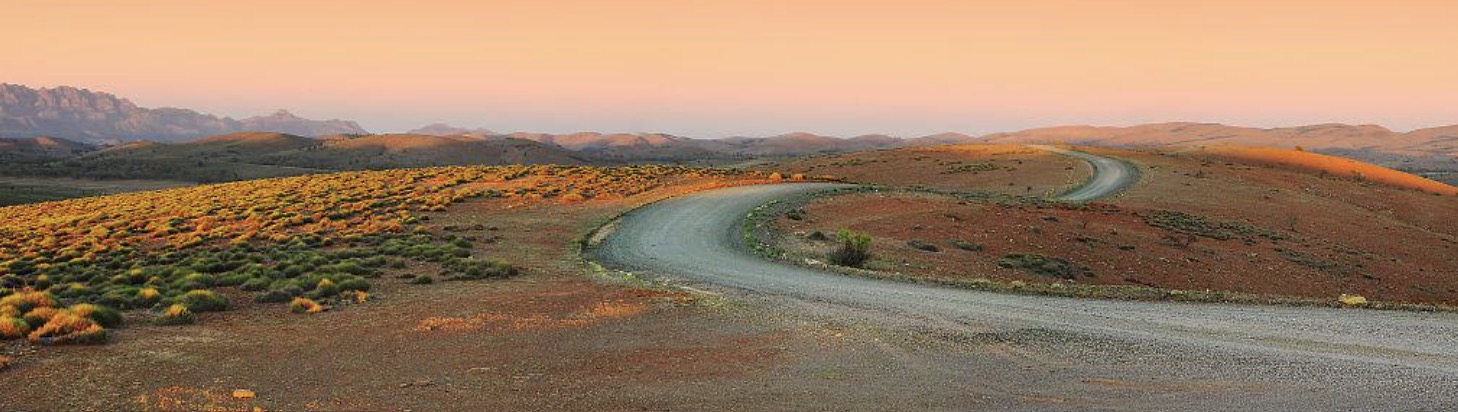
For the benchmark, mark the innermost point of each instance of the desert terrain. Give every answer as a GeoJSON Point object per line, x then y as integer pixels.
{"type": "Point", "coordinates": [591, 301]}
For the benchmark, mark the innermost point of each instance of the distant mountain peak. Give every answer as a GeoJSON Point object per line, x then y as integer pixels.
{"type": "Point", "coordinates": [443, 129]}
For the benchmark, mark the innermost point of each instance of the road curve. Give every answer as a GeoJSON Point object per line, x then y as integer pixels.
{"type": "Point", "coordinates": [1110, 176]}
{"type": "Point", "coordinates": [1396, 358]}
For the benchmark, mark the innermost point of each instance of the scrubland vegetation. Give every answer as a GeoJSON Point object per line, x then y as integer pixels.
{"type": "Point", "coordinates": [309, 241]}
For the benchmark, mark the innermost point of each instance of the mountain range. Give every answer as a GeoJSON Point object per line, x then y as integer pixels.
{"type": "Point", "coordinates": [80, 114]}
{"type": "Point", "coordinates": [73, 120]}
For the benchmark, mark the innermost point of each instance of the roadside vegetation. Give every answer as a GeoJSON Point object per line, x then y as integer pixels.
{"type": "Point", "coordinates": [854, 250]}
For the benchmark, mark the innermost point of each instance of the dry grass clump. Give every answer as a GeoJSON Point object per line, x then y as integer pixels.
{"type": "Point", "coordinates": [69, 328]}
{"type": "Point", "coordinates": [39, 316]}
{"type": "Point", "coordinates": [24, 301]}
{"type": "Point", "coordinates": [177, 314]}
{"type": "Point", "coordinates": [13, 327]}
{"type": "Point", "coordinates": [149, 295]}
{"type": "Point", "coordinates": [305, 305]}
{"type": "Point", "coordinates": [104, 316]}
{"type": "Point", "coordinates": [35, 316]}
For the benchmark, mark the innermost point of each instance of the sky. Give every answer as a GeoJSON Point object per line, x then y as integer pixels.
{"type": "Point", "coordinates": [703, 68]}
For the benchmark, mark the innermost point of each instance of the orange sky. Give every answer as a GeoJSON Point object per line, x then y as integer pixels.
{"type": "Point", "coordinates": [714, 68]}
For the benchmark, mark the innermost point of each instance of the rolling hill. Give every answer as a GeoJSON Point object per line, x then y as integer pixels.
{"type": "Point", "coordinates": [252, 155]}
{"type": "Point", "coordinates": [1424, 151]}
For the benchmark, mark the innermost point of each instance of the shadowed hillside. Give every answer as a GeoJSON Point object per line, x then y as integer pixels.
{"type": "Point", "coordinates": [253, 155]}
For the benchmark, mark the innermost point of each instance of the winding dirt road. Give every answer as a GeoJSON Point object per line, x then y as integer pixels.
{"type": "Point", "coordinates": [1110, 176]}
{"type": "Point", "coordinates": [1279, 358]}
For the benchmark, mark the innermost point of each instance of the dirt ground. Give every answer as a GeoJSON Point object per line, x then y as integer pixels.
{"type": "Point", "coordinates": [1336, 236]}
{"type": "Point", "coordinates": [554, 338]}
{"type": "Point", "coordinates": [1006, 169]}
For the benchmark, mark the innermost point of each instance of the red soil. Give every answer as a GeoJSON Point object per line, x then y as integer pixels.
{"type": "Point", "coordinates": [1009, 169]}
{"type": "Point", "coordinates": [1346, 236]}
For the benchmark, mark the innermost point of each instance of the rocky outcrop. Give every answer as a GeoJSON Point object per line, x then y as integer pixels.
{"type": "Point", "coordinates": [80, 114]}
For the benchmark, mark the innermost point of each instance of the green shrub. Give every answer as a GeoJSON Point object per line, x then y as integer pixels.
{"type": "Point", "coordinates": [203, 301]}
{"type": "Point", "coordinates": [854, 251]}
{"type": "Point", "coordinates": [967, 246]}
{"type": "Point", "coordinates": [325, 288]}
{"type": "Point", "coordinates": [422, 280]}
{"type": "Point", "coordinates": [354, 284]}
{"type": "Point", "coordinates": [256, 284]}
{"type": "Point", "coordinates": [274, 296]}
{"type": "Point", "coordinates": [1045, 266]}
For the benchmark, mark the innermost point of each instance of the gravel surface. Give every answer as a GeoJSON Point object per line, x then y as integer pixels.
{"type": "Point", "coordinates": [1241, 357]}
{"type": "Point", "coordinates": [1110, 176]}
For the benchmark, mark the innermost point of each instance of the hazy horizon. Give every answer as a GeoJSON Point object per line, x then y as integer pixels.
{"type": "Point", "coordinates": [704, 70]}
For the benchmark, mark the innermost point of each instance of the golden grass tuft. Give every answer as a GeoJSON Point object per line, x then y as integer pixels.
{"type": "Point", "coordinates": [39, 316]}
{"type": "Point", "coordinates": [305, 305]}
{"type": "Point", "coordinates": [359, 296]}
{"type": "Point", "coordinates": [13, 327]}
{"type": "Point", "coordinates": [177, 314]}
{"type": "Point", "coordinates": [10, 311]}
{"type": "Point", "coordinates": [24, 301]}
{"type": "Point", "coordinates": [1352, 300]}
{"type": "Point", "coordinates": [104, 316]}
{"type": "Point", "coordinates": [5, 362]}
{"type": "Point", "coordinates": [68, 328]}
{"type": "Point", "coordinates": [149, 295]}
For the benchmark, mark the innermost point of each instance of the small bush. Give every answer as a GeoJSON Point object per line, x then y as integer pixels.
{"type": "Point", "coordinates": [422, 280]}
{"type": "Point", "coordinates": [967, 246]}
{"type": "Point", "coordinates": [325, 288]}
{"type": "Point", "coordinates": [818, 236]}
{"type": "Point", "coordinates": [354, 284]}
{"type": "Point", "coordinates": [305, 305]}
{"type": "Point", "coordinates": [920, 245]}
{"type": "Point", "coordinates": [854, 251]}
{"type": "Point", "coordinates": [177, 314]}
{"type": "Point", "coordinates": [102, 315]}
{"type": "Point", "coordinates": [274, 296]}
{"type": "Point", "coordinates": [203, 301]}
{"type": "Point", "coordinates": [1045, 266]}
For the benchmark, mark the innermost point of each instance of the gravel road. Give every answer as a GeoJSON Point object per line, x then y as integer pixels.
{"type": "Point", "coordinates": [1110, 176]}
{"type": "Point", "coordinates": [1277, 358]}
